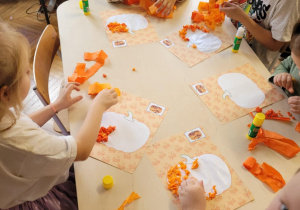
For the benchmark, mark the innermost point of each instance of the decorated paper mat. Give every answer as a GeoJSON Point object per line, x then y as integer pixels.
{"type": "Point", "coordinates": [136, 120]}
{"type": "Point", "coordinates": [192, 56]}
{"type": "Point", "coordinates": [171, 151]}
{"type": "Point", "coordinates": [141, 36]}
{"type": "Point", "coordinates": [231, 96]}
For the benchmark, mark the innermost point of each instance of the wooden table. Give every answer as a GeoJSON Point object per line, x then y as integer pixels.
{"type": "Point", "coordinates": [163, 78]}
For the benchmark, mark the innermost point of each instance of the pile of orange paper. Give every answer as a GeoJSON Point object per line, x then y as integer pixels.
{"type": "Point", "coordinates": [265, 173]}
{"type": "Point", "coordinates": [209, 13]}
{"type": "Point", "coordinates": [80, 75]}
{"type": "Point", "coordinates": [275, 141]}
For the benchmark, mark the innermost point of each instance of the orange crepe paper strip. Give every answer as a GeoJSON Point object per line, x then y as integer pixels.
{"type": "Point", "coordinates": [133, 196]}
{"type": "Point", "coordinates": [95, 88]}
{"type": "Point", "coordinates": [265, 173]}
{"type": "Point", "coordinates": [271, 115]}
{"type": "Point", "coordinates": [79, 75]}
{"type": "Point", "coordinates": [275, 141]}
{"type": "Point", "coordinates": [195, 164]}
{"type": "Point", "coordinates": [151, 9]}
{"type": "Point", "coordinates": [298, 127]}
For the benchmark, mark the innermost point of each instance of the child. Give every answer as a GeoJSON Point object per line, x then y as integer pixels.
{"type": "Point", "coordinates": [287, 73]}
{"type": "Point", "coordinates": [270, 24]}
{"type": "Point", "coordinates": [192, 197]}
{"type": "Point", "coordinates": [33, 162]}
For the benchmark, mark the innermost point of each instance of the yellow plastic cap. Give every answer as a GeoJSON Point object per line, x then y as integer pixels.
{"type": "Point", "coordinates": [80, 4]}
{"type": "Point", "coordinates": [108, 182]}
{"type": "Point", "coordinates": [259, 119]}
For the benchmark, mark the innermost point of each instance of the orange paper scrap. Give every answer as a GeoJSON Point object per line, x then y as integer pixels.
{"type": "Point", "coordinates": [133, 196]}
{"type": "Point", "coordinates": [265, 173]}
{"type": "Point", "coordinates": [80, 75]}
{"type": "Point", "coordinates": [275, 141]}
{"type": "Point", "coordinates": [95, 88]}
{"type": "Point", "coordinates": [298, 127]}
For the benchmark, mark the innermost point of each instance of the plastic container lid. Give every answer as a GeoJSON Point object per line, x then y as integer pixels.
{"type": "Point", "coordinates": [259, 119]}
{"type": "Point", "coordinates": [108, 182]}
{"type": "Point", "coordinates": [240, 32]}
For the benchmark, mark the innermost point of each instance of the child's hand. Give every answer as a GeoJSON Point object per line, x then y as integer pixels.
{"type": "Point", "coordinates": [191, 194]}
{"type": "Point", "coordinates": [233, 11]}
{"type": "Point", "coordinates": [65, 100]}
{"type": "Point", "coordinates": [165, 5]}
{"type": "Point", "coordinates": [284, 80]}
{"type": "Point", "coordinates": [106, 98]}
{"type": "Point", "coordinates": [294, 103]}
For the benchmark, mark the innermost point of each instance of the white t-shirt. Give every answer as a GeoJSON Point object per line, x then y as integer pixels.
{"type": "Point", "coordinates": [31, 161]}
{"type": "Point", "coordinates": [278, 16]}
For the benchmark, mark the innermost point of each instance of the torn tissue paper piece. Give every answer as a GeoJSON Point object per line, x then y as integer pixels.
{"type": "Point", "coordinates": [80, 75]}
{"type": "Point", "coordinates": [265, 173]}
{"type": "Point", "coordinates": [133, 196]}
{"type": "Point", "coordinates": [275, 141]}
{"type": "Point", "coordinates": [96, 87]}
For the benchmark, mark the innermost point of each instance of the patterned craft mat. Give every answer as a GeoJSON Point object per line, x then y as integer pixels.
{"type": "Point", "coordinates": [225, 109]}
{"type": "Point", "coordinates": [192, 56]}
{"type": "Point", "coordinates": [140, 108]}
{"type": "Point", "coordinates": [143, 36]}
{"type": "Point", "coordinates": [166, 153]}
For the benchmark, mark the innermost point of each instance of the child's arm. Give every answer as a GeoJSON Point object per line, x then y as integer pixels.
{"type": "Point", "coordinates": [282, 77]}
{"type": "Point", "coordinates": [261, 34]}
{"type": "Point", "coordinates": [89, 130]}
{"type": "Point", "coordinates": [63, 101]}
{"type": "Point", "coordinates": [191, 195]}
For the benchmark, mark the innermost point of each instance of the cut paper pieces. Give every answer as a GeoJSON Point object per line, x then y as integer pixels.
{"type": "Point", "coordinates": [203, 41]}
{"type": "Point", "coordinates": [241, 90]}
{"type": "Point", "coordinates": [275, 141]}
{"type": "Point", "coordinates": [297, 128]}
{"type": "Point", "coordinates": [133, 196]}
{"type": "Point", "coordinates": [80, 75]}
{"type": "Point", "coordinates": [140, 27]}
{"type": "Point", "coordinates": [95, 88]}
{"type": "Point", "coordinates": [226, 109]}
{"type": "Point", "coordinates": [127, 144]}
{"type": "Point", "coordinates": [265, 173]}
{"type": "Point", "coordinates": [169, 152]}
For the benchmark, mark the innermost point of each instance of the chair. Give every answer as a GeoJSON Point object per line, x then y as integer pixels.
{"type": "Point", "coordinates": [47, 47]}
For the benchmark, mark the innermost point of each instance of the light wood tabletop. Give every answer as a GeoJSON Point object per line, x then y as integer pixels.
{"type": "Point", "coordinates": [163, 78]}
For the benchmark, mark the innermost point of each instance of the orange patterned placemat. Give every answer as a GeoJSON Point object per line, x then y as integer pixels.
{"type": "Point", "coordinates": [192, 56]}
{"type": "Point", "coordinates": [142, 36]}
{"type": "Point", "coordinates": [144, 113]}
{"type": "Point", "coordinates": [167, 153]}
{"type": "Point", "coordinates": [225, 109]}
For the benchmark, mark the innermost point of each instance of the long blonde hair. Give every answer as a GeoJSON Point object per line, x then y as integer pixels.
{"type": "Point", "coordinates": [14, 50]}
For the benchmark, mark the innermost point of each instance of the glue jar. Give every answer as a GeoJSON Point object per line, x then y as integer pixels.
{"type": "Point", "coordinates": [256, 124]}
{"type": "Point", "coordinates": [238, 39]}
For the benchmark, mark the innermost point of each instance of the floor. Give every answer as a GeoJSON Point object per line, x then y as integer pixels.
{"type": "Point", "coordinates": [31, 26]}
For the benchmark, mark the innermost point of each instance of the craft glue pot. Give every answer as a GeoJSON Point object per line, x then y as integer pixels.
{"type": "Point", "coordinates": [108, 182]}
{"type": "Point", "coordinates": [238, 39]}
{"type": "Point", "coordinates": [256, 124]}
{"type": "Point", "coordinates": [86, 8]}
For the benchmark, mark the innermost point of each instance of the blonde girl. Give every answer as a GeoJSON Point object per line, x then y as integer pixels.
{"type": "Point", "coordinates": [34, 165]}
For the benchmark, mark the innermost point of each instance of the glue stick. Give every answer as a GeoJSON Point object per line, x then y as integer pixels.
{"type": "Point", "coordinates": [238, 39]}
{"type": "Point", "coordinates": [86, 8]}
{"type": "Point", "coordinates": [256, 124]}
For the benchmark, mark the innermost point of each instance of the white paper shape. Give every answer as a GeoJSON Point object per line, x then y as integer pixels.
{"type": "Point", "coordinates": [212, 170]}
{"type": "Point", "coordinates": [130, 134]}
{"type": "Point", "coordinates": [134, 22]}
{"type": "Point", "coordinates": [205, 42]}
{"type": "Point", "coordinates": [241, 90]}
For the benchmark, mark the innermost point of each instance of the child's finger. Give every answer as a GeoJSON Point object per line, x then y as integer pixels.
{"type": "Point", "coordinates": [76, 99]}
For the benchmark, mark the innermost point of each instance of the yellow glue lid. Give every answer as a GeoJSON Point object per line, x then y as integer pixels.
{"type": "Point", "coordinates": [80, 4]}
{"type": "Point", "coordinates": [107, 182]}
{"type": "Point", "coordinates": [259, 119]}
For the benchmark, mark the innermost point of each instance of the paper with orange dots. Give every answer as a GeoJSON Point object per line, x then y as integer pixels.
{"type": "Point", "coordinates": [167, 153]}
{"type": "Point", "coordinates": [191, 56]}
{"type": "Point", "coordinates": [225, 109]}
{"type": "Point", "coordinates": [142, 36]}
{"type": "Point", "coordinates": [144, 111]}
